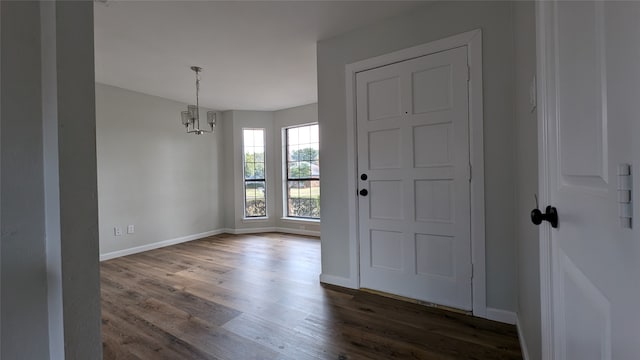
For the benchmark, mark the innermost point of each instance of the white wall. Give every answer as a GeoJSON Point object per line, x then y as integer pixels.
{"type": "Point", "coordinates": [273, 122]}
{"type": "Point", "coordinates": [299, 115]}
{"type": "Point", "coordinates": [234, 121]}
{"type": "Point", "coordinates": [526, 180]}
{"type": "Point", "coordinates": [151, 173]}
{"type": "Point", "coordinates": [431, 22]}
{"type": "Point", "coordinates": [229, 209]}
{"type": "Point", "coordinates": [175, 186]}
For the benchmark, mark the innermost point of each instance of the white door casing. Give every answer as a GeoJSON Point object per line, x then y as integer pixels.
{"type": "Point", "coordinates": [413, 146]}
{"type": "Point", "coordinates": [473, 41]}
{"type": "Point", "coordinates": [590, 264]}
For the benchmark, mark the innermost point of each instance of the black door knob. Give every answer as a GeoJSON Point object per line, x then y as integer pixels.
{"type": "Point", "coordinates": [364, 192]}
{"type": "Point", "coordinates": [363, 177]}
{"type": "Point", "coordinates": [550, 215]}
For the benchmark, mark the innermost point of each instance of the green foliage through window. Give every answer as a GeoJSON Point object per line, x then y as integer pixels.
{"type": "Point", "coordinates": [303, 171]}
{"type": "Point", "coordinates": [253, 159]}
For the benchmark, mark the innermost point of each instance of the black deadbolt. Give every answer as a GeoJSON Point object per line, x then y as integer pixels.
{"type": "Point", "coordinates": [550, 215]}
{"type": "Point", "coordinates": [363, 177]}
{"type": "Point", "coordinates": [364, 192]}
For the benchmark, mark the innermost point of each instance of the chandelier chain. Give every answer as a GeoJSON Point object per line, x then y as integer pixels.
{"type": "Point", "coordinates": [197, 89]}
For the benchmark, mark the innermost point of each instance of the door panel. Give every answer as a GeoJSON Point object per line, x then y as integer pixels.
{"type": "Point", "coordinates": [386, 250]}
{"type": "Point", "coordinates": [592, 258]}
{"type": "Point", "coordinates": [579, 181]}
{"type": "Point", "coordinates": [384, 149]}
{"type": "Point", "coordinates": [432, 145]}
{"type": "Point", "coordinates": [383, 99]}
{"type": "Point", "coordinates": [432, 89]}
{"type": "Point", "coordinates": [413, 144]}
{"type": "Point", "coordinates": [582, 92]}
{"type": "Point", "coordinates": [434, 255]}
{"type": "Point", "coordinates": [586, 312]}
{"type": "Point", "coordinates": [385, 199]}
{"type": "Point", "coordinates": [434, 201]}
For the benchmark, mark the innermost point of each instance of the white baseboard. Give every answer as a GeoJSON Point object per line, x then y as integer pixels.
{"type": "Point", "coordinates": [523, 343]}
{"type": "Point", "coordinates": [298, 231]}
{"type": "Point", "coordinates": [169, 242]}
{"type": "Point", "coordinates": [503, 316]}
{"type": "Point", "coordinates": [338, 281]}
{"type": "Point", "coordinates": [156, 245]}
{"type": "Point", "coordinates": [271, 229]}
{"type": "Point", "coordinates": [248, 230]}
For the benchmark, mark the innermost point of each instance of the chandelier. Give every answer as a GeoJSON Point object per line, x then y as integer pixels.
{"type": "Point", "coordinates": [191, 117]}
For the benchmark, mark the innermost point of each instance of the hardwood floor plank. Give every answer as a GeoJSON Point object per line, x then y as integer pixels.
{"type": "Point", "coordinates": [201, 335]}
{"type": "Point", "coordinates": [383, 338]}
{"type": "Point", "coordinates": [258, 297]}
{"type": "Point", "coordinates": [459, 326]}
{"type": "Point", "coordinates": [211, 312]}
{"type": "Point", "coordinates": [126, 336]}
{"type": "Point", "coordinates": [246, 301]}
{"type": "Point", "coordinates": [282, 339]}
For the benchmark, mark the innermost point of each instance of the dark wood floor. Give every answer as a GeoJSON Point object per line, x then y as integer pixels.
{"type": "Point", "coordinates": [258, 297]}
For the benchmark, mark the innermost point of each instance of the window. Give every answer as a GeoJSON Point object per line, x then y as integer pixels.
{"type": "Point", "coordinates": [255, 199]}
{"type": "Point", "coordinates": [303, 172]}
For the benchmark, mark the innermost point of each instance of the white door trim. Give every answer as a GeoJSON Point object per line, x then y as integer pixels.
{"type": "Point", "coordinates": [543, 24]}
{"type": "Point", "coordinates": [473, 41]}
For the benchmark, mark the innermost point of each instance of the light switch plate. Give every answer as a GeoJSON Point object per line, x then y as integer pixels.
{"type": "Point", "coordinates": [131, 229]}
{"type": "Point", "coordinates": [117, 231]}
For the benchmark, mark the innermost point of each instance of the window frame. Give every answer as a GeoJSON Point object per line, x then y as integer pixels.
{"type": "Point", "coordinates": [263, 179]}
{"type": "Point", "coordinates": [287, 179]}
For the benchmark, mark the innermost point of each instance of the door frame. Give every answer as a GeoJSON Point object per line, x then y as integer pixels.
{"type": "Point", "coordinates": [545, 87]}
{"type": "Point", "coordinates": [473, 41]}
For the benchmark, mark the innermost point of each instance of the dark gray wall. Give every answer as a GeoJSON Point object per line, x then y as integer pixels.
{"type": "Point", "coordinates": [50, 272]}
{"type": "Point", "coordinates": [24, 276]}
{"type": "Point", "coordinates": [78, 183]}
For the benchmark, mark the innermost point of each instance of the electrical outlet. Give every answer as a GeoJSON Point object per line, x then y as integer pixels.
{"type": "Point", "coordinates": [117, 231]}
{"type": "Point", "coordinates": [131, 229]}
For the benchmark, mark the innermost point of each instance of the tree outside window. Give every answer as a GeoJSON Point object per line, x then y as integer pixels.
{"type": "Point", "coordinates": [255, 185]}
{"type": "Point", "coordinates": [303, 172]}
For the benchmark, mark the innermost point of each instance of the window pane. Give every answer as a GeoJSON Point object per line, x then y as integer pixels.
{"type": "Point", "coordinates": [303, 164]}
{"type": "Point", "coordinates": [292, 136]}
{"type": "Point", "coordinates": [255, 199]}
{"type": "Point", "coordinates": [314, 134]}
{"type": "Point", "coordinates": [253, 156]}
{"type": "Point", "coordinates": [249, 170]}
{"type": "Point", "coordinates": [299, 169]}
{"type": "Point", "coordinates": [304, 199]}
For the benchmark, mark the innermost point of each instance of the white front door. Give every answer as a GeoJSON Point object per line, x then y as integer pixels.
{"type": "Point", "coordinates": [413, 170]}
{"type": "Point", "coordinates": [590, 264]}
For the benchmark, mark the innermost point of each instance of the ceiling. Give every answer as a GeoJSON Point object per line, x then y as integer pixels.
{"type": "Point", "coordinates": [256, 55]}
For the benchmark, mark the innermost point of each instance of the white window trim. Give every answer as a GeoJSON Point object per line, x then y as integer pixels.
{"type": "Point", "coordinates": [257, 219]}
{"type": "Point", "coordinates": [299, 220]}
